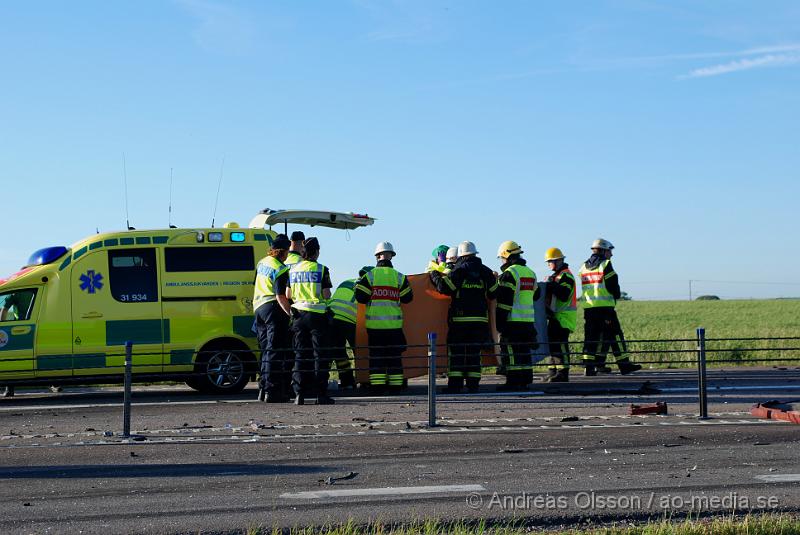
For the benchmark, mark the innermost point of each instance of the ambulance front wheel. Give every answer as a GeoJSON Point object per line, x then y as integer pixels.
{"type": "Point", "coordinates": [222, 367]}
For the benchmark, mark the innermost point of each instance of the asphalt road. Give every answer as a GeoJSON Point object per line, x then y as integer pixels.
{"type": "Point", "coordinates": [553, 456]}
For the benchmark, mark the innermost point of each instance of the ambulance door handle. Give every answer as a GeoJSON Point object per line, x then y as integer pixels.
{"type": "Point", "coordinates": [20, 330]}
{"type": "Point", "coordinates": [91, 315]}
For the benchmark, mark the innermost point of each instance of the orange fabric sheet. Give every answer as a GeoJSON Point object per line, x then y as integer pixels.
{"type": "Point", "coordinates": [426, 313]}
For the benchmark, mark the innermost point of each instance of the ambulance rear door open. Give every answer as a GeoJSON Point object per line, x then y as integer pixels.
{"type": "Point", "coordinates": [314, 218]}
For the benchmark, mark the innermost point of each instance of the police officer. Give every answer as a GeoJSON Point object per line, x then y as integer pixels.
{"type": "Point", "coordinates": [516, 316]}
{"type": "Point", "coordinates": [296, 249]}
{"type": "Point", "coordinates": [562, 315]}
{"type": "Point", "coordinates": [383, 289]}
{"type": "Point", "coordinates": [600, 292]}
{"type": "Point", "coordinates": [272, 315]}
{"type": "Point", "coordinates": [309, 289]}
{"type": "Point", "coordinates": [471, 286]}
{"type": "Point", "coordinates": [343, 311]}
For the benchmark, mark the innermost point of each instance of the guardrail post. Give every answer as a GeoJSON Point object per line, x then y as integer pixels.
{"type": "Point", "coordinates": [701, 373]}
{"type": "Point", "coordinates": [126, 402]}
{"type": "Point", "coordinates": [431, 379]}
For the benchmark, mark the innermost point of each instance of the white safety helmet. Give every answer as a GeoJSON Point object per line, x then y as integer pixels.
{"type": "Point", "coordinates": [466, 248]}
{"type": "Point", "coordinates": [600, 243]}
{"type": "Point", "coordinates": [452, 255]}
{"type": "Point", "coordinates": [384, 247]}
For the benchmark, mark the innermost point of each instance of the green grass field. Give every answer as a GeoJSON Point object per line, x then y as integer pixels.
{"type": "Point", "coordinates": [670, 320]}
{"type": "Point", "coordinates": [767, 524]}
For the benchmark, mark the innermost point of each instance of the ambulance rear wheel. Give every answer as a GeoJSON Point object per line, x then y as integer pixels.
{"type": "Point", "coordinates": [223, 368]}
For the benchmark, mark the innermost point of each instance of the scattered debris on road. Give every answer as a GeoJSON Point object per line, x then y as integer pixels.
{"type": "Point", "coordinates": [331, 480]}
{"type": "Point", "coordinates": [659, 407]}
{"type": "Point", "coordinates": [777, 410]}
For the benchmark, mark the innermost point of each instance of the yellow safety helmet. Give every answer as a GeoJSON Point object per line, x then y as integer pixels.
{"type": "Point", "coordinates": [507, 248]}
{"type": "Point", "coordinates": [553, 253]}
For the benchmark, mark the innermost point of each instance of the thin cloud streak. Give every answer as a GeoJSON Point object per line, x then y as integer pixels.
{"type": "Point", "coordinates": [769, 60]}
{"type": "Point", "coordinates": [791, 47]}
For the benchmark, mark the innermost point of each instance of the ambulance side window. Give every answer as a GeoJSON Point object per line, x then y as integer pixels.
{"type": "Point", "coordinates": [17, 305]}
{"type": "Point", "coordinates": [133, 275]}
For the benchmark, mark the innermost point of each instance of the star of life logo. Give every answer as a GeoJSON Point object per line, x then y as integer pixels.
{"type": "Point", "coordinates": [91, 281]}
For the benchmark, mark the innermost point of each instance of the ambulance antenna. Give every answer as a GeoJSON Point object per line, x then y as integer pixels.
{"type": "Point", "coordinates": [125, 180]}
{"type": "Point", "coordinates": [219, 185]}
{"type": "Point", "coordinates": [169, 218]}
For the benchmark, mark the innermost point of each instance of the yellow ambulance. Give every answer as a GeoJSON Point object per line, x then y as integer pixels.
{"type": "Point", "coordinates": [182, 297]}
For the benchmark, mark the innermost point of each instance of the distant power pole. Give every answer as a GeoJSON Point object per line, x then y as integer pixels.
{"type": "Point", "coordinates": [690, 289]}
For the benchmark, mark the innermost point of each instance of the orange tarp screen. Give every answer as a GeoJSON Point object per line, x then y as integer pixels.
{"type": "Point", "coordinates": [425, 314]}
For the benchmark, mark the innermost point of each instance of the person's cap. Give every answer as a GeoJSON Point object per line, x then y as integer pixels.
{"type": "Point", "coordinates": [440, 250]}
{"type": "Point", "coordinates": [281, 242]}
{"type": "Point", "coordinates": [298, 235]}
{"type": "Point", "coordinates": [311, 244]}
{"type": "Point", "coordinates": [452, 254]}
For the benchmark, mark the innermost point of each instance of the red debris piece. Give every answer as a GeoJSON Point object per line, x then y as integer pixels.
{"type": "Point", "coordinates": [776, 410]}
{"type": "Point", "coordinates": [653, 408]}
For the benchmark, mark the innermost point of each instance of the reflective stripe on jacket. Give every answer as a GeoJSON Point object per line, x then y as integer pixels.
{"type": "Point", "coordinates": [565, 312]}
{"type": "Point", "coordinates": [383, 309]}
{"type": "Point", "coordinates": [343, 302]}
{"type": "Point", "coordinates": [593, 287]}
{"type": "Point", "coordinates": [305, 280]}
{"type": "Point", "coordinates": [269, 268]}
{"type": "Point", "coordinates": [523, 309]}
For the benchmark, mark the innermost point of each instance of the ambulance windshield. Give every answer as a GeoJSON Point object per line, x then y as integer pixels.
{"type": "Point", "coordinates": [47, 255]}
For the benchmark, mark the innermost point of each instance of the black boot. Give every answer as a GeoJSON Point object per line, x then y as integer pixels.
{"type": "Point", "coordinates": [472, 384]}
{"type": "Point", "coordinates": [626, 367]}
{"type": "Point", "coordinates": [325, 399]}
{"type": "Point", "coordinates": [589, 371]}
{"type": "Point", "coordinates": [262, 394]}
{"type": "Point", "coordinates": [300, 399]}
{"type": "Point", "coordinates": [454, 385]}
{"type": "Point", "coordinates": [346, 379]}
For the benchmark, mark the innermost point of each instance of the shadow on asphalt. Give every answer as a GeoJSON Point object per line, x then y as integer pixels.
{"type": "Point", "coordinates": [154, 470]}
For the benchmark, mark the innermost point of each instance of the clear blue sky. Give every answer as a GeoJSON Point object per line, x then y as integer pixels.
{"type": "Point", "coordinates": [669, 128]}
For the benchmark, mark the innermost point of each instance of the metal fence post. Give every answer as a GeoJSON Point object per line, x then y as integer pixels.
{"type": "Point", "coordinates": [701, 373]}
{"type": "Point", "coordinates": [431, 379]}
{"type": "Point", "coordinates": [126, 402]}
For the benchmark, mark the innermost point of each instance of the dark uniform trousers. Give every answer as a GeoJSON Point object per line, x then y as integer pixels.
{"type": "Point", "coordinates": [272, 331]}
{"type": "Point", "coordinates": [558, 339]}
{"type": "Point", "coordinates": [342, 334]}
{"type": "Point", "coordinates": [386, 347]}
{"type": "Point", "coordinates": [311, 358]}
{"type": "Point", "coordinates": [602, 332]}
{"type": "Point", "coordinates": [517, 342]}
{"type": "Point", "coordinates": [465, 341]}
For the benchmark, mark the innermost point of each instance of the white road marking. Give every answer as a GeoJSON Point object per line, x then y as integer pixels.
{"type": "Point", "coordinates": [384, 491]}
{"type": "Point", "coordinates": [779, 478]}
{"type": "Point", "coordinates": [266, 438]}
{"type": "Point", "coordinates": [777, 388]}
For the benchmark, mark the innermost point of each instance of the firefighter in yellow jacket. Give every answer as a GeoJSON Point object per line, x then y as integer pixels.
{"type": "Point", "coordinates": [343, 312]}
{"type": "Point", "coordinates": [602, 330]}
{"type": "Point", "coordinates": [562, 315]}
{"type": "Point", "coordinates": [382, 290]}
{"type": "Point", "coordinates": [515, 317]}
